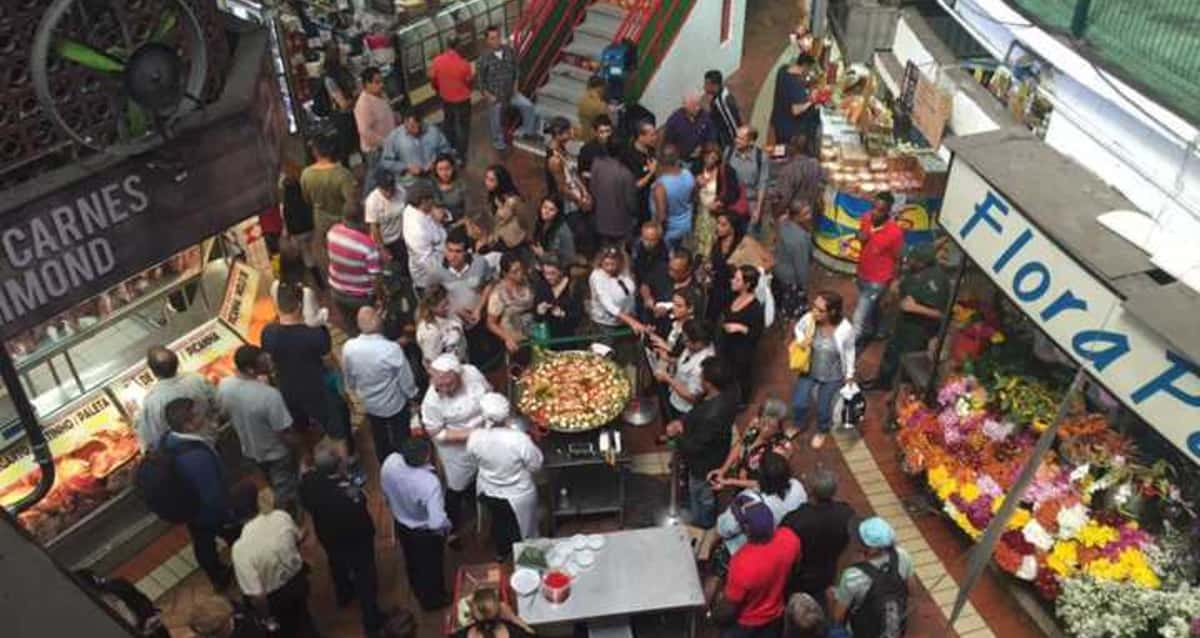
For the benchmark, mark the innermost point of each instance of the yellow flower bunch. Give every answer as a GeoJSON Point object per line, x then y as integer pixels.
{"type": "Point", "coordinates": [1020, 517]}
{"type": "Point", "coordinates": [998, 337]}
{"type": "Point", "coordinates": [1095, 534]}
{"type": "Point", "coordinates": [942, 483]}
{"type": "Point", "coordinates": [969, 492]}
{"type": "Point", "coordinates": [1132, 565]}
{"type": "Point", "coordinates": [1063, 558]}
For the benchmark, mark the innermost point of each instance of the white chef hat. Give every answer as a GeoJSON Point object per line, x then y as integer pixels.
{"type": "Point", "coordinates": [494, 406]}
{"type": "Point", "coordinates": [446, 363]}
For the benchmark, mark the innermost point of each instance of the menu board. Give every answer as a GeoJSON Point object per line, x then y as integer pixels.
{"type": "Point", "coordinates": [207, 350]}
{"type": "Point", "coordinates": [237, 308]}
{"type": "Point", "coordinates": [93, 445]}
{"type": "Point", "coordinates": [246, 306]}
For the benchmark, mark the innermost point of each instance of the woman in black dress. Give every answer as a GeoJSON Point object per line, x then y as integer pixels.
{"type": "Point", "coordinates": [741, 326]}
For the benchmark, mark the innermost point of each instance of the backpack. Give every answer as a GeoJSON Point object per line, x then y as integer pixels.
{"type": "Point", "coordinates": [167, 492]}
{"type": "Point", "coordinates": [612, 61]}
{"type": "Point", "coordinates": [883, 612]}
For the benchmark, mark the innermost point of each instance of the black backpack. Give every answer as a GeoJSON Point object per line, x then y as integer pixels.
{"type": "Point", "coordinates": [167, 492]}
{"type": "Point", "coordinates": [883, 612]}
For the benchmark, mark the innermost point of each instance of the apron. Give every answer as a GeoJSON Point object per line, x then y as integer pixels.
{"type": "Point", "coordinates": [520, 494]}
{"type": "Point", "coordinates": [460, 412]}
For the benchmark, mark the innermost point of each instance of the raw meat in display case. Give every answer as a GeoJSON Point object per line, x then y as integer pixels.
{"type": "Point", "coordinates": [93, 446]}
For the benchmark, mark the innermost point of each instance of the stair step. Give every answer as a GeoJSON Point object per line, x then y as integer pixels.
{"type": "Point", "coordinates": [586, 46]}
{"type": "Point", "coordinates": [563, 90]}
{"type": "Point", "coordinates": [604, 8]}
{"type": "Point", "coordinates": [600, 25]}
{"type": "Point", "coordinates": [571, 72]}
{"type": "Point", "coordinates": [548, 107]}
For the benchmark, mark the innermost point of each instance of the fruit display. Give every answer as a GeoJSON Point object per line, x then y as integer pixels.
{"type": "Point", "coordinates": [573, 391]}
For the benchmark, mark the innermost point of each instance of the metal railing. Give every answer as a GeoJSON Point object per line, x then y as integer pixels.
{"type": "Point", "coordinates": [635, 21]}
{"type": "Point", "coordinates": [1151, 44]}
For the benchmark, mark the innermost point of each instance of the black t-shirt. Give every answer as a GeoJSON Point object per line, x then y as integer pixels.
{"type": "Point", "coordinates": [297, 352]}
{"type": "Point", "coordinates": [338, 509]}
{"type": "Point", "coordinates": [824, 532]}
{"type": "Point", "coordinates": [588, 154]}
{"type": "Point", "coordinates": [705, 440]}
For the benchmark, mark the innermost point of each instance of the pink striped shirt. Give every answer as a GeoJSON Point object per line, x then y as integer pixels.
{"type": "Point", "coordinates": [353, 261]}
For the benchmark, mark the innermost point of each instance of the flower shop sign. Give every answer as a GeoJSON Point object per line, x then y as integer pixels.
{"type": "Point", "coordinates": [1080, 313]}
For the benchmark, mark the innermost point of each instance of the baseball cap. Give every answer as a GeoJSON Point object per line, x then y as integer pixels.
{"type": "Point", "coordinates": [876, 533]}
{"type": "Point", "coordinates": [754, 517]}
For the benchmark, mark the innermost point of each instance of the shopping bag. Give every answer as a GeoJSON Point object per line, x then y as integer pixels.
{"type": "Point", "coordinates": [800, 351]}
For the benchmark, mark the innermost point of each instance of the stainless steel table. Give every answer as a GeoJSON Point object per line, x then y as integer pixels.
{"type": "Point", "coordinates": [637, 571]}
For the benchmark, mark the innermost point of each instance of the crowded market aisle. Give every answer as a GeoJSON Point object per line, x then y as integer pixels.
{"type": "Point", "coordinates": [857, 472]}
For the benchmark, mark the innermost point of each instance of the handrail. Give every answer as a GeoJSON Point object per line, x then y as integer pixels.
{"type": "Point", "coordinates": [570, 17]}
{"type": "Point", "coordinates": [528, 23]}
{"type": "Point", "coordinates": [651, 55]}
{"type": "Point", "coordinates": [635, 21]}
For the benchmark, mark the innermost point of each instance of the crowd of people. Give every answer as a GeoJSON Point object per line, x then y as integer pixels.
{"type": "Point", "coordinates": [691, 239]}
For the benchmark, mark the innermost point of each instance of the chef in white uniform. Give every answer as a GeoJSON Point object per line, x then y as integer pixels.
{"type": "Point", "coordinates": [449, 413]}
{"type": "Point", "coordinates": [507, 459]}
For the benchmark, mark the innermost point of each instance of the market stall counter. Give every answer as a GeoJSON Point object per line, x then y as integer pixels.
{"type": "Point", "coordinates": [612, 577]}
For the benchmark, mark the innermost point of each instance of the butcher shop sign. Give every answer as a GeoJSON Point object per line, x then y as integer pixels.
{"type": "Point", "coordinates": [60, 249]}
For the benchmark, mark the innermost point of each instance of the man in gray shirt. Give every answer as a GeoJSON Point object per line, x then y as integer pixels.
{"type": "Point", "coordinates": [752, 166]}
{"type": "Point", "coordinates": [615, 193]}
{"type": "Point", "coordinates": [262, 422]}
{"type": "Point", "coordinates": [150, 421]}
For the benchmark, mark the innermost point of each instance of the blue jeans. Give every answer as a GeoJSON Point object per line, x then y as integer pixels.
{"type": "Point", "coordinates": [866, 311]}
{"type": "Point", "coordinates": [529, 120]}
{"type": "Point", "coordinates": [702, 503]}
{"type": "Point", "coordinates": [802, 398]}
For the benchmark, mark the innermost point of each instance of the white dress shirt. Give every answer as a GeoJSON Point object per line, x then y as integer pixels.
{"type": "Point", "coordinates": [267, 554]}
{"type": "Point", "coordinates": [687, 374]}
{"type": "Point", "coordinates": [611, 297]}
{"type": "Point", "coordinates": [377, 371]}
{"type": "Point", "coordinates": [426, 243]}
{"type": "Point", "coordinates": [414, 494]}
{"type": "Point", "coordinates": [458, 412]}
{"type": "Point", "coordinates": [388, 213]}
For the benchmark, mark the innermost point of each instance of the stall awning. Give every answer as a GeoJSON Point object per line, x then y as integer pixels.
{"type": "Point", "coordinates": [1027, 215]}
{"type": "Point", "coordinates": [1064, 200]}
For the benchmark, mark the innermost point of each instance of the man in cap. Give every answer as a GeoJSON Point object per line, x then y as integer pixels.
{"type": "Point", "coordinates": [376, 369]}
{"type": "Point", "coordinates": [758, 573]}
{"type": "Point", "coordinates": [347, 534]}
{"type": "Point", "coordinates": [506, 458]}
{"type": "Point", "coordinates": [924, 295]}
{"type": "Point", "coordinates": [384, 214]}
{"type": "Point", "coordinates": [884, 615]}
{"type": "Point", "coordinates": [450, 411]}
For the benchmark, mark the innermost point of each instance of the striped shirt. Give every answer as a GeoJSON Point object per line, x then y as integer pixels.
{"type": "Point", "coordinates": [353, 261]}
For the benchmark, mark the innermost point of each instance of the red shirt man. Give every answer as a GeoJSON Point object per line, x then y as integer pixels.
{"type": "Point", "coordinates": [882, 242]}
{"type": "Point", "coordinates": [759, 571]}
{"type": "Point", "coordinates": [451, 75]}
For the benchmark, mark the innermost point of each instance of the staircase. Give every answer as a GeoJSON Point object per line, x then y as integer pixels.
{"type": "Point", "coordinates": [567, 79]}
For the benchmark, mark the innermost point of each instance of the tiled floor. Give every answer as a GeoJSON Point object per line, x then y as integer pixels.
{"type": "Point", "coordinates": [870, 473]}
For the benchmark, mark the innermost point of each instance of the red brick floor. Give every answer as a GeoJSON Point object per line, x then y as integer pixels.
{"type": "Point", "coordinates": [766, 33]}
